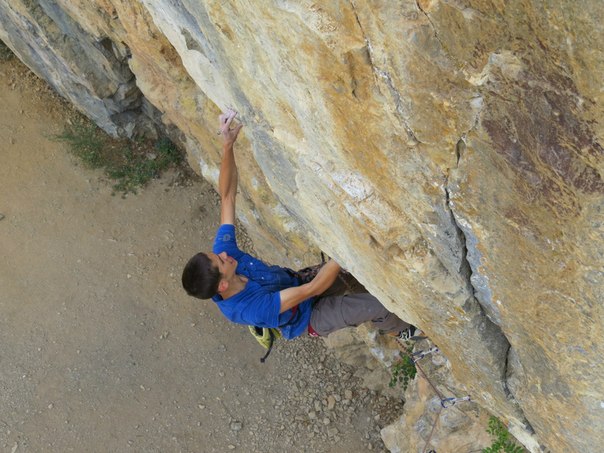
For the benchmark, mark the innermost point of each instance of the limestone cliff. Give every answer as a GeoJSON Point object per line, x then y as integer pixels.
{"type": "Point", "coordinates": [447, 152]}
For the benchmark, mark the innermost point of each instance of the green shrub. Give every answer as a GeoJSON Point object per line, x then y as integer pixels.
{"type": "Point", "coordinates": [403, 371]}
{"type": "Point", "coordinates": [503, 440]}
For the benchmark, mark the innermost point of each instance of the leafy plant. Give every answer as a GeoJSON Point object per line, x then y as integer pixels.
{"type": "Point", "coordinates": [503, 440]}
{"type": "Point", "coordinates": [130, 164]}
{"type": "Point", "coordinates": [403, 371]}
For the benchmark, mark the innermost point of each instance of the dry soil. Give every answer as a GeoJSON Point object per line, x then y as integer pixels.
{"type": "Point", "coordinates": [100, 349]}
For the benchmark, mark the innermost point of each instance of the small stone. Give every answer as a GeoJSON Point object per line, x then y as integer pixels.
{"type": "Point", "coordinates": [312, 415]}
{"type": "Point", "coordinates": [231, 447]}
{"type": "Point", "coordinates": [2, 216]}
{"type": "Point", "coordinates": [236, 426]}
{"type": "Point", "coordinates": [331, 402]}
{"type": "Point", "coordinates": [326, 421]}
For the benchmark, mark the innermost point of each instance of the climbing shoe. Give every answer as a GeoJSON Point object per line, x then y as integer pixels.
{"type": "Point", "coordinates": [411, 333]}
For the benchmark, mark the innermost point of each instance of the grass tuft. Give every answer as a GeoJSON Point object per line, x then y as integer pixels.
{"type": "Point", "coordinates": [85, 142]}
{"type": "Point", "coordinates": [131, 165]}
{"type": "Point", "coordinates": [5, 52]}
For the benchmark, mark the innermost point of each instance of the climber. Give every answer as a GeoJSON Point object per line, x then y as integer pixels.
{"type": "Point", "coordinates": [250, 292]}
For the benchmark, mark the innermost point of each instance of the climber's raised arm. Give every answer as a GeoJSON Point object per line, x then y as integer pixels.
{"type": "Point", "coordinates": [227, 180]}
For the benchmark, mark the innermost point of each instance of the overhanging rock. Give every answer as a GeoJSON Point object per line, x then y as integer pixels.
{"type": "Point", "coordinates": [448, 153]}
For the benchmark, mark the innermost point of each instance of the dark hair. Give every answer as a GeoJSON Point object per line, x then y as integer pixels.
{"type": "Point", "coordinates": [200, 277]}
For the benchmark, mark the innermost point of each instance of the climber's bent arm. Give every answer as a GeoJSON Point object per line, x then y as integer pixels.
{"type": "Point", "coordinates": [291, 297]}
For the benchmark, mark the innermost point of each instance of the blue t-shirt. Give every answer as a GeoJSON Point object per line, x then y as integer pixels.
{"type": "Point", "coordinates": [258, 304]}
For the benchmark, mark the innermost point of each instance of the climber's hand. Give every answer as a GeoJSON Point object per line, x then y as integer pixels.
{"type": "Point", "coordinates": [229, 135]}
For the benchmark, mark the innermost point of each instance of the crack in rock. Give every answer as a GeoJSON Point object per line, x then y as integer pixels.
{"type": "Point", "coordinates": [509, 365]}
{"type": "Point", "coordinates": [412, 139]}
{"type": "Point", "coordinates": [417, 3]}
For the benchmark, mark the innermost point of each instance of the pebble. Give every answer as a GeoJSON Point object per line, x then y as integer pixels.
{"type": "Point", "coordinates": [331, 402]}
{"type": "Point", "coordinates": [2, 216]}
{"type": "Point", "coordinates": [236, 426]}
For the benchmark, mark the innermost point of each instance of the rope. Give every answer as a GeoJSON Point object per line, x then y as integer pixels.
{"type": "Point", "coordinates": [440, 409]}
{"type": "Point", "coordinates": [444, 402]}
{"type": "Point", "coordinates": [440, 395]}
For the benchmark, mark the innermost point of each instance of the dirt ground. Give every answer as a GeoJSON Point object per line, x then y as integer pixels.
{"type": "Point", "coordinates": [100, 349]}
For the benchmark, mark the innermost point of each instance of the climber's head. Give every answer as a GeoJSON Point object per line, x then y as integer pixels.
{"type": "Point", "coordinates": [201, 277]}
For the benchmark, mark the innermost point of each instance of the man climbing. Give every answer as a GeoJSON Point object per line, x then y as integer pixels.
{"type": "Point", "coordinates": [250, 292]}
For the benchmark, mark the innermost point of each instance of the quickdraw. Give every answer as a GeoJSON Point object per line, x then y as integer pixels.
{"type": "Point", "coordinates": [449, 402]}
{"type": "Point", "coordinates": [421, 354]}
{"type": "Point", "coordinates": [445, 403]}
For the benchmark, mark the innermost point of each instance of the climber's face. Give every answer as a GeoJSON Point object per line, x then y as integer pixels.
{"type": "Point", "coordinates": [227, 265]}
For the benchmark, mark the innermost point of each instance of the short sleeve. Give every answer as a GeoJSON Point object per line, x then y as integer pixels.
{"type": "Point", "coordinates": [263, 311]}
{"type": "Point", "coordinates": [226, 241]}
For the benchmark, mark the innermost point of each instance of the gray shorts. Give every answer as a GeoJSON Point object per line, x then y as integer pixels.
{"type": "Point", "coordinates": [334, 312]}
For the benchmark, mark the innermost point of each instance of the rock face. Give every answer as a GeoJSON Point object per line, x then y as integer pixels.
{"type": "Point", "coordinates": [447, 152]}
